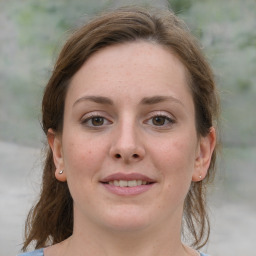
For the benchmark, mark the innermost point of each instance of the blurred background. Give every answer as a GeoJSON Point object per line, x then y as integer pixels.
{"type": "Point", "coordinates": [32, 33]}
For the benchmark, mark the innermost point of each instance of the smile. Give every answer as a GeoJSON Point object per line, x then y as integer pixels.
{"type": "Point", "coordinates": [128, 183]}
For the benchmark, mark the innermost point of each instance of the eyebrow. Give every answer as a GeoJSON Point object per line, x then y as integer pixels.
{"type": "Point", "coordinates": [145, 101]}
{"type": "Point", "coordinates": [158, 99]}
{"type": "Point", "coordinates": [96, 99]}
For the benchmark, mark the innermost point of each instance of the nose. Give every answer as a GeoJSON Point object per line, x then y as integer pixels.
{"type": "Point", "coordinates": [127, 144]}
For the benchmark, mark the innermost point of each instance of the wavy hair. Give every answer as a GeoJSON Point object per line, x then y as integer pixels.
{"type": "Point", "coordinates": [50, 221]}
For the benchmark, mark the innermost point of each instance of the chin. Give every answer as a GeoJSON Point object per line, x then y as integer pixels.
{"type": "Point", "coordinates": [127, 220]}
{"type": "Point", "coordinates": [128, 226]}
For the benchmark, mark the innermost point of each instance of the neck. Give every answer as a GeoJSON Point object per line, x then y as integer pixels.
{"type": "Point", "coordinates": [149, 241]}
{"type": "Point", "coordinates": [90, 238]}
{"type": "Point", "coordinates": [124, 244]}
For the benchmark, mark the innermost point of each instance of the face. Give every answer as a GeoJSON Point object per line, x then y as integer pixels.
{"type": "Point", "coordinates": [129, 147]}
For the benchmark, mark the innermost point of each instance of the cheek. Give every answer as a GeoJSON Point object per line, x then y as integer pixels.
{"type": "Point", "coordinates": [82, 156]}
{"type": "Point", "coordinates": [176, 157]}
{"type": "Point", "coordinates": [174, 161]}
{"type": "Point", "coordinates": [82, 161]}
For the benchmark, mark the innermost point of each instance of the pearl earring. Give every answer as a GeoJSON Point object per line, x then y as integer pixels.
{"type": "Point", "coordinates": [61, 171]}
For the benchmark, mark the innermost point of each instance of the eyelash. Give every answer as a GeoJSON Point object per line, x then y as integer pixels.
{"type": "Point", "coordinates": [88, 120]}
{"type": "Point", "coordinates": [170, 120]}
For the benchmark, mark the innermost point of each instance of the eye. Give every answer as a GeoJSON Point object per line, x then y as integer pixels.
{"type": "Point", "coordinates": [160, 120]}
{"type": "Point", "coordinates": [95, 121]}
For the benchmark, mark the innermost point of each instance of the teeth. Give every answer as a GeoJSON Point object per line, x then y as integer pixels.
{"type": "Point", "coordinates": [116, 183]}
{"type": "Point", "coordinates": [125, 183]}
{"type": "Point", "coordinates": [139, 182]}
{"type": "Point", "coordinates": [132, 183]}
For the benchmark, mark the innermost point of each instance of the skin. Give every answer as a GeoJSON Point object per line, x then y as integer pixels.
{"type": "Point", "coordinates": [129, 138]}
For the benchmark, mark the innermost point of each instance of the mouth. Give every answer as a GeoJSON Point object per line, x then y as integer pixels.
{"type": "Point", "coordinates": [127, 184]}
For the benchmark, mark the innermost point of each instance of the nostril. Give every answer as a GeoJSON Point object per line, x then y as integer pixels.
{"type": "Point", "coordinates": [119, 156]}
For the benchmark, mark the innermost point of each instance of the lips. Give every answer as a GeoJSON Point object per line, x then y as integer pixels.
{"type": "Point", "coordinates": [127, 184]}
{"type": "Point", "coordinates": [126, 179]}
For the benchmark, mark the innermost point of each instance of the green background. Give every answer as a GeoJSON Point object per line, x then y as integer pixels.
{"type": "Point", "coordinates": [33, 31]}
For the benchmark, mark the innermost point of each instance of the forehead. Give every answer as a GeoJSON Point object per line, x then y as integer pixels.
{"type": "Point", "coordinates": [137, 67]}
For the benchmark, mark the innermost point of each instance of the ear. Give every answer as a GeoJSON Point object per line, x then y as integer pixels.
{"type": "Point", "coordinates": [54, 142]}
{"type": "Point", "coordinates": [204, 154]}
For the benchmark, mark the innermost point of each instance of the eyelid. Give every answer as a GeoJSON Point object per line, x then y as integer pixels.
{"type": "Point", "coordinates": [159, 113]}
{"type": "Point", "coordinates": [88, 116]}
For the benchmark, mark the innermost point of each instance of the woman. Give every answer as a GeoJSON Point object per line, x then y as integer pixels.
{"type": "Point", "coordinates": [130, 114]}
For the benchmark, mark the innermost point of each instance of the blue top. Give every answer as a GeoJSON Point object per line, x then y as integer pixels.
{"type": "Point", "coordinates": [40, 252]}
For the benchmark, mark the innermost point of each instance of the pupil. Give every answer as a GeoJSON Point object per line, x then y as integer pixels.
{"type": "Point", "coordinates": [96, 121]}
{"type": "Point", "coordinates": [159, 120]}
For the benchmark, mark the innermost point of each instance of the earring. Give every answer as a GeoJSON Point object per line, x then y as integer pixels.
{"type": "Point", "coordinates": [61, 171]}
{"type": "Point", "coordinates": [200, 177]}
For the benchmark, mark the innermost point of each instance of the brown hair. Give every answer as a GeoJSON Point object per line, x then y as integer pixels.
{"type": "Point", "coordinates": [51, 220]}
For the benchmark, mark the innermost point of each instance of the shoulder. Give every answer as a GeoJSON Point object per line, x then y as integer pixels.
{"type": "Point", "coordinates": [38, 252]}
